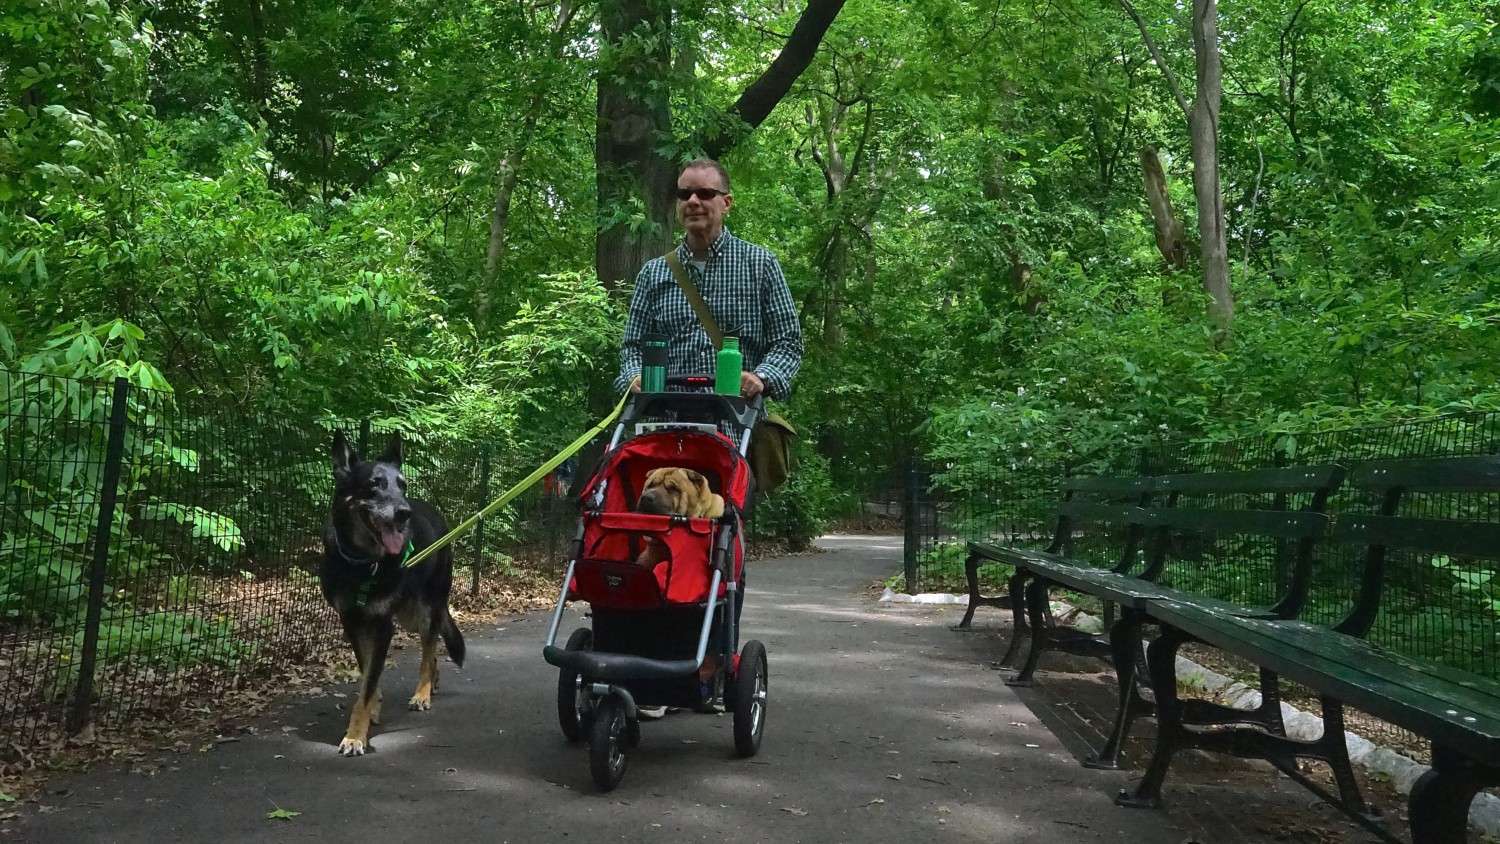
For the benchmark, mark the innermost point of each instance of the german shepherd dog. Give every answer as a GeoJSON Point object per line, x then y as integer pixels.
{"type": "Point", "coordinates": [373, 529]}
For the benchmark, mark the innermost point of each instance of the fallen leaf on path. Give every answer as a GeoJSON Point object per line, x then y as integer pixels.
{"type": "Point", "coordinates": [794, 810]}
{"type": "Point", "coordinates": [281, 815]}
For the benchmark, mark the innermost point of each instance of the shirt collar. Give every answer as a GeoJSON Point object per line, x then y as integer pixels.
{"type": "Point", "coordinates": [720, 242]}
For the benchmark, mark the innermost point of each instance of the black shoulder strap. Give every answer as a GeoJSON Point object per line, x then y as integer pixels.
{"type": "Point", "coordinates": [699, 306]}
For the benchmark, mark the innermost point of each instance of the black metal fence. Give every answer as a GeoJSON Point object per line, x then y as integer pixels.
{"type": "Point", "coordinates": [153, 553]}
{"type": "Point", "coordinates": [1442, 609]}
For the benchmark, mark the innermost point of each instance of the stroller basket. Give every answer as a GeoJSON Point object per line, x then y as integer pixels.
{"type": "Point", "coordinates": [608, 575]}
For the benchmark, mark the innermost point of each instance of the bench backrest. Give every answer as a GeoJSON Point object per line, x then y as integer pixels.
{"type": "Point", "coordinates": [1102, 501]}
{"type": "Point", "coordinates": [1437, 514]}
{"type": "Point", "coordinates": [1255, 505]}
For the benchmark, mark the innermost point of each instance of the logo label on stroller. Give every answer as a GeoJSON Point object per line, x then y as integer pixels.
{"type": "Point", "coordinates": [613, 580]}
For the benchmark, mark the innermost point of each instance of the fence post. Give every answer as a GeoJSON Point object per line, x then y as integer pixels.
{"type": "Point", "coordinates": [364, 439]}
{"type": "Point", "coordinates": [909, 516]}
{"type": "Point", "coordinates": [114, 451]}
{"type": "Point", "coordinates": [483, 501]}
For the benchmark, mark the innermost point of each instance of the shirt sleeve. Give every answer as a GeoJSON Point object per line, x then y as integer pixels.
{"type": "Point", "coordinates": [783, 333]}
{"type": "Point", "coordinates": [635, 328]}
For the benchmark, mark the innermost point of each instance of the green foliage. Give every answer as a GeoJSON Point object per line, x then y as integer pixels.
{"type": "Point", "coordinates": [292, 209]}
{"type": "Point", "coordinates": [54, 429]}
{"type": "Point", "coordinates": [797, 511]}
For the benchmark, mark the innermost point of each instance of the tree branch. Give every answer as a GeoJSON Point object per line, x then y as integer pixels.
{"type": "Point", "coordinates": [1161, 62]}
{"type": "Point", "coordinates": [757, 101]}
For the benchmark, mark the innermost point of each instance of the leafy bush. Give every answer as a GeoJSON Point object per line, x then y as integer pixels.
{"type": "Point", "coordinates": [799, 510]}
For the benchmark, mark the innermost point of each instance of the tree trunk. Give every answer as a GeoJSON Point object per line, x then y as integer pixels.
{"type": "Point", "coordinates": [1204, 124]}
{"type": "Point", "coordinates": [833, 257]}
{"type": "Point", "coordinates": [633, 180]}
{"type": "Point", "coordinates": [1170, 238]}
{"type": "Point", "coordinates": [1203, 129]}
{"type": "Point", "coordinates": [506, 176]}
{"type": "Point", "coordinates": [1020, 281]}
{"type": "Point", "coordinates": [509, 171]}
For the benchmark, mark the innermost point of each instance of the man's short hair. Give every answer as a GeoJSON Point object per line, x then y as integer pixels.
{"type": "Point", "coordinates": [708, 164]}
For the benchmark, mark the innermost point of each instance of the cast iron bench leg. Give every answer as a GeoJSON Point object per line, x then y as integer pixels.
{"type": "Point", "coordinates": [1019, 630]}
{"type": "Point", "coordinates": [1037, 609]}
{"type": "Point", "coordinates": [1161, 661]}
{"type": "Point", "coordinates": [1128, 656]}
{"type": "Point", "coordinates": [1439, 803]}
{"type": "Point", "coordinates": [1336, 748]}
{"type": "Point", "coordinates": [971, 574]}
{"type": "Point", "coordinates": [1266, 716]}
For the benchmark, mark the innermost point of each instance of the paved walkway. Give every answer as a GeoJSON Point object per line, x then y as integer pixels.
{"type": "Point", "coordinates": [883, 726]}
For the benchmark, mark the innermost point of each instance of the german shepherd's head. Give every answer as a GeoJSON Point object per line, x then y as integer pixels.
{"type": "Point", "coordinates": [371, 516]}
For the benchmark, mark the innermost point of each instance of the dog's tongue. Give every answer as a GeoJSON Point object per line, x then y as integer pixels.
{"type": "Point", "coordinates": [393, 541]}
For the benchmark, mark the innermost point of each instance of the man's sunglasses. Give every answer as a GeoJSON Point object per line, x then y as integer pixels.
{"type": "Point", "coordinates": [703, 194]}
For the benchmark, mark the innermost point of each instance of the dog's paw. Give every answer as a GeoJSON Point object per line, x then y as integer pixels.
{"type": "Point", "coordinates": [420, 703]}
{"type": "Point", "coordinates": [351, 747]}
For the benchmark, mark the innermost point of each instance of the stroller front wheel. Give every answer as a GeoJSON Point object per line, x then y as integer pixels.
{"type": "Point", "coordinates": [750, 691]}
{"type": "Point", "coordinates": [608, 740]}
{"type": "Point", "coordinates": [575, 708]}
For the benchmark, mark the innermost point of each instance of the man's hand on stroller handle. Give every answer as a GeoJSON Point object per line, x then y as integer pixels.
{"type": "Point", "coordinates": [751, 384]}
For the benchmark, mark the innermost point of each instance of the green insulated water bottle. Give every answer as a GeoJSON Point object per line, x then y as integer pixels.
{"type": "Point", "coordinates": [730, 364]}
{"type": "Point", "coordinates": [654, 363]}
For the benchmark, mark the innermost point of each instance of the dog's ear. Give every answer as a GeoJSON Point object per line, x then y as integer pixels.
{"type": "Point", "coordinates": [392, 453]}
{"type": "Point", "coordinates": [343, 458]}
{"type": "Point", "coordinates": [699, 481]}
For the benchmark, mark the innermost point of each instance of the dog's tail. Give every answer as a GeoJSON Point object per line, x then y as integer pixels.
{"type": "Point", "coordinates": [453, 639]}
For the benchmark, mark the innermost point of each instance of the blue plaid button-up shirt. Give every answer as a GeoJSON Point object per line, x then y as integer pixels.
{"type": "Point", "coordinates": [747, 294]}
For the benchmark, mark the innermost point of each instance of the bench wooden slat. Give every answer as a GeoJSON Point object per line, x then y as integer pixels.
{"type": "Point", "coordinates": [1288, 524]}
{"type": "Point", "coordinates": [1434, 536]}
{"type": "Point", "coordinates": [1116, 513]}
{"type": "Point", "coordinates": [1130, 591]}
{"type": "Point", "coordinates": [1107, 485]}
{"type": "Point", "coordinates": [1006, 554]}
{"type": "Point", "coordinates": [1437, 474]}
{"type": "Point", "coordinates": [1462, 713]}
{"type": "Point", "coordinates": [1288, 480]}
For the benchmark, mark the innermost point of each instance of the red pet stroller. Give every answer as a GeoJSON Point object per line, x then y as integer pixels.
{"type": "Point", "coordinates": [663, 635]}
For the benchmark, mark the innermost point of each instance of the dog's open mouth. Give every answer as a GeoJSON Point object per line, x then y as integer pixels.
{"type": "Point", "coordinates": [391, 540]}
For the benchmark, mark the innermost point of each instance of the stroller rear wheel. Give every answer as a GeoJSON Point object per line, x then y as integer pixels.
{"type": "Point", "coordinates": [608, 740]}
{"type": "Point", "coordinates": [750, 688]}
{"type": "Point", "coordinates": [575, 706]}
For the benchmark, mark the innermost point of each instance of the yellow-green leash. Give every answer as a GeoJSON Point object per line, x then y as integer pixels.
{"type": "Point", "coordinates": [525, 482]}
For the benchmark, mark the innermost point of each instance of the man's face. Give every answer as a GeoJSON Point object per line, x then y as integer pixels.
{"type": "Point", "coordinates": [702, 217]}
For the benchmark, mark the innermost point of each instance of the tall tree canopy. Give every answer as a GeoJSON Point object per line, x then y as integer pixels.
{"type": "Point", "coordinates": [433, 208]}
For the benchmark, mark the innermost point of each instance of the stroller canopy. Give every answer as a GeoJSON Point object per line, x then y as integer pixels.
{"type": "Point", "coordinates": [623, 474]}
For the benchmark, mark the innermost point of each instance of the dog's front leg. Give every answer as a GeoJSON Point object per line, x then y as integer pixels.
{"type": "Point", "coordinates": [362, 644]}
{"type": "Point", "coordinates": [427, 680]}
{"type": "Point", "coordinates": [373, 643]}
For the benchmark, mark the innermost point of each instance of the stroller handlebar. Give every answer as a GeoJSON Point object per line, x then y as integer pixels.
{"type": "Point", "coordinates": [695, 406]}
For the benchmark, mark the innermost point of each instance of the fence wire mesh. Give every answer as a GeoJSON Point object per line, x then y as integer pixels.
{"type": "Point", "coordinates": [201, 575]}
